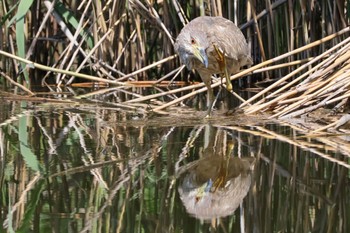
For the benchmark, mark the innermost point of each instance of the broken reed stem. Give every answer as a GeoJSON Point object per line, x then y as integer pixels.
{"type": "Point", "coordinates": [257, 108]}
{"type": "Point", "coordinates": [254, 108]}
{"type": "Point", "coordinates": [97, 45]}
{"type": "Point", "coordinates": [78, 30]}
{"type": "Point", "coordinates": [291, 109]}
{"type": "Point", "coordinates": [298, 50]}
{"type": "Point", "coordinates": [177, 71]}
{"type": "Point", "coordinates": [41, 27]}
{"type": "Point", "coordinates": [148, 67]}
{"type": "Point", "coordinates": [203, 89]}
{"type": "Point", "coordinates": [325, 127]}
{"type": "Point", "coordinates": [16, 84]}
{"type": "Point", "coordinates": [253, 70]}
{"type": "Point", "coordinates": [282, 65]}
{"type": "Point", "coordinates": [148, 97]}
{"type": "Point", "coordinates": [318, 89]}
{"type": "Point", "coordinates": [324, 102]}
{"type": "Point", "coordinates": [102, 92]}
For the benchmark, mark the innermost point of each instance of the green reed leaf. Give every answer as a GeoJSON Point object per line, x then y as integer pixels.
{"type": "Point", "coordinates": [69, 18]}
{"type": "Point", "coordinates": [28, 156]}
{"type": "Point", "coordinates": [23, 8]}
{"type": "Point", "coordinates": [7, 15]}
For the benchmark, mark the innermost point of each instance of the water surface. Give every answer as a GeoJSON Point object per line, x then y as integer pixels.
{"type": "Point", "coordinates": [101, 169]}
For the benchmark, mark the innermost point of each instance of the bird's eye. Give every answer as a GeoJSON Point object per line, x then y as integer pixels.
{"type": "Point", "coordinates": [193, 41]}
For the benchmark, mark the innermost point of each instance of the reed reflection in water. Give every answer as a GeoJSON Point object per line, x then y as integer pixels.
{"type": "Point", "coordinates": [100, 170]}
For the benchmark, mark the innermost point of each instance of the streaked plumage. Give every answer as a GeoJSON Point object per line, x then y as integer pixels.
{"type": "Point", "coordinates": [196, 48]}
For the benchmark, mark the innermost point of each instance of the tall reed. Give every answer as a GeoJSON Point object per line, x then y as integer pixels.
{"type": "Point", "coordinates": [111, 39]}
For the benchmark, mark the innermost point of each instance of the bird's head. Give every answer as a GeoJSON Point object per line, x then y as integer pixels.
{"type": "Point", "coordinates": [198, 47]}
{"type": "Point", "coordinates": [192, 46]}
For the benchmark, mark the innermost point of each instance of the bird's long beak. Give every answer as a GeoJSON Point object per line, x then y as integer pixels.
{"type": "Point", "coordinates": [201, 55]}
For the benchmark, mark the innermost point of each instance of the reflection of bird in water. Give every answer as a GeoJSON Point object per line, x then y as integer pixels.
{"type": "Point", "coordinates": [215, 186]}
{"type": "Point", "coordinates": [212, 45]}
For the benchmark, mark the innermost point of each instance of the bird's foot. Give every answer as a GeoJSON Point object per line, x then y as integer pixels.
{"type": "Point", "coordinates": [228, 80]}
{"type": "Point", "coordinates": [208, 115]}
{"type": "Point", "coordinates": [221, 59]}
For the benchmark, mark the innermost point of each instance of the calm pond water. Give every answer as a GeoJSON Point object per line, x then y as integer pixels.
{"type": "Point", "coordinates": [95, 169]}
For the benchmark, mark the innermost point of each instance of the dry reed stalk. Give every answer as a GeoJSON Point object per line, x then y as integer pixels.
{"type": "Point", "coordinates": [203, 89]}
{"type": "Point", "coordinates": [27, 187]}
{"type": "Point", "coordinates": [40, 29]}
{"type": "Point", "coordinates": [16, 84]}
{"type": "Point", "coordinates": [73, 58]}
{"type": "Point", "coordinates": [177, 71]}
{"type": "Point", "coordinates": [343, 120]}
{"type": "Point", "coordinates": [325, 144]}
{"type": "Point", "coordinates": [63, 26]}
{"type": "Point", "coordinates": [262, 13]}
{"type": "Point", "coordinates": [12, 49]}
{"type": "Point", "coordinates": [104, 91]}
{"type": "Point", "coordinates": [244, 72]}
{"type": "Point", "coordinates": [290, 26]}
{"type": "Point", "coordinates": [337, 144]}
{"type": "Point", "coordinates": [73, 40]}
{"type": "Point", "coordinates": [270, 30]}
{"type": "Point", "coordinates": [282, 65]}
{"type": "Point", "coordinates": [248, 131]}
{"type": "Point", "coordinates": [147, 67]}
{"type": "Point", "coordinates": [257, 30]}
{"type": "Point", "coordinates": [31, 64]}
{"type": "Point", "coordinates": [172, 96]}
{"type": "Point", "coordinates": [234, 77]}
{"type": "Point", "coordinates": [253, 70]}
{"type": "Point", "coordinates": [98, 43]}
{"type": "Point", "coordinates": [298, 50]}
{"type": "Point", "coordinates": [124, 49]}
{"type": "Point", "coordinates": [315, 92]}
{"type": "Point", "coordinates": [307, 147]}
{"type": "Point", "coordinates": [48, 74]}
{"type": "Point", "coordinates": [180, 12]}
{"type": "Point", "coordinates": [323, 103]}
{"type": "Point", "coordinates": [345, 96]}
{"type": "Point", "coordinates": [297, 90]}
{"type": "Point", "coordinates": [260, 105]}
{"type": "Point", "coordinates": [152, 96]}
{"type": "Point", "coordinates": [328, 141]}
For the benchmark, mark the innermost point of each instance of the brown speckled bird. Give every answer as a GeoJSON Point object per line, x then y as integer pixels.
{"type": "Point", "coordinates": [212, 45]}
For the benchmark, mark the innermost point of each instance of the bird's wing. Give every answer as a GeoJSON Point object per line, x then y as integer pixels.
{"type": "Point", "coordinates": [228, 37]}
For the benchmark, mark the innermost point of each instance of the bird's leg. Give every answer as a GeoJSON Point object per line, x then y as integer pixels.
{"type": "Point", "coordinates": [228, 80]}
{"type": "Point", "coordinates": [210, 98]}
{"type": "Point", "coordinates": [221, 59]}
{"type": "Point", "coordinates": [206, 77]}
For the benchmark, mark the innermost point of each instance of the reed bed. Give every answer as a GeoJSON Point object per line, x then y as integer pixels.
{"type": "Point", "coordinates": [324, 81]}
{"type": "Point", "coordinates": [114, 50]}
{"type": "Point", "coordinates": [125, 44]}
